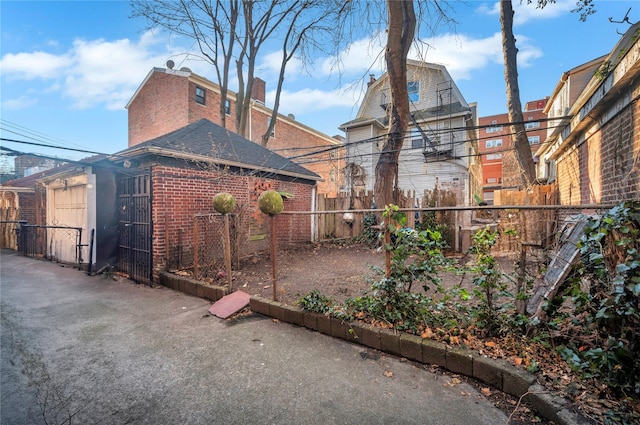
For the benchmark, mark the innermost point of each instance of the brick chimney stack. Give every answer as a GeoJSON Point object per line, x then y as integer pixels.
{"type": "Point", "coordinates": [259, 89]}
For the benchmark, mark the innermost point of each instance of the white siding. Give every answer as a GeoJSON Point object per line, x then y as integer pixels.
{"type": "Point", "coordinates": [435, 89]}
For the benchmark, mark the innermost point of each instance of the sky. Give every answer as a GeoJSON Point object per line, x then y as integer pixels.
{"type": "Point", "coordinates": [68, 68]}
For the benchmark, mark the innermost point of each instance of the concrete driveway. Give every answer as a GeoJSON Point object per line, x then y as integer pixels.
{"type": "Point", "coordinates": [93, 350]}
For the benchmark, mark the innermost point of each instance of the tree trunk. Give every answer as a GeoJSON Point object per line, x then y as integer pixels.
{"type": "Point", "coordinates": [514, 107]}
{"type": "Point", "coordinates": [402, 25]}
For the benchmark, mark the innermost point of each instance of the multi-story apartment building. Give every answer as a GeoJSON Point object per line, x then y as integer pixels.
{"type": "Point", "coordinates": [170, 99]}
{"type": "Point", "coordinates": [495, 141]}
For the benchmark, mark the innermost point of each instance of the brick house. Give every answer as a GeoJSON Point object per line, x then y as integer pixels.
{"type": "Point", "coordinates": [495, 140]}
{"type": "Point", "coordinates": [170, 99]}
{"type": "Point", "coordinates": [593, 143]}
{"type": "Point", "coordinates": [171, 179]}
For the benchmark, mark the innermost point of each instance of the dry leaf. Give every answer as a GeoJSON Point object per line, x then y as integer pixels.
{"type": "Point", "coordinates": [275, 321]}
{"type": "Point", "coordinates": [490, 344]}
{"type": "Point", "coordinates": [455, 340]}
{"type": "Point", "coordinates": [453, 381]}
{"type": "Point", "coordinates": [486, 391]}
{"type": "Point", "coordinates": [388, 374]}
{"type": "Point", "coordinates": [427, 334]}
{"type": "Point", "coordinates": [517, 360]}
{"type": "Point", "coordinates": [465, 393]}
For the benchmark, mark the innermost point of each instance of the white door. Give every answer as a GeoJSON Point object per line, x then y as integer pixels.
{"type": "Point", "coordinates": [69, 210]}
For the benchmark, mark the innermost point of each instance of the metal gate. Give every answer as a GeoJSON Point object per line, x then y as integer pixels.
{"type": "Point", "coordinates": [134, 227]}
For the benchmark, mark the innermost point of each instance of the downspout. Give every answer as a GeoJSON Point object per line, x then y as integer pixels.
{"type": "Point", "coordinates": [314, 235]}
{"type": "Point", "coordinates": [250, 124]}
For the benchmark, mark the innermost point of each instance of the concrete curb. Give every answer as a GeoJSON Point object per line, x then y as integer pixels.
{"type": "Point", "coordinates": [496, 373]}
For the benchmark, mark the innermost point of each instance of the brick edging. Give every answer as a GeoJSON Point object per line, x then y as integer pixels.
{"type": "Point", "coordinates": [192, 286]}
{"type": "Point", "coordinates": [496, 373]}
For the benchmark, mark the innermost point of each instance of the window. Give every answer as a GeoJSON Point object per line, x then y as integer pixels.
{"type": "Point", "coordinates": [200, 95]}
{"type": "Point", "coordinates": [333, 175]}
{"type": "Point", "coordinates": [273, 132]}
{"type": "Point", "coordinates": [494, 128]}
{"type": "Point", "coordinates": [492, 180]}
{"type": "Point", "coordinates": [534, 140]}
{"type": "Point", "coordinates": [332, 154]}
{"type": "Point", "coordinates": [493, 143]}
{"type": "Point", "coordinates": [227, 107]}
{"type": "Point", "coordinates": [532, 125]}
{"type": "Point", "coordinates": [493, 156]}
{"type": "Point", "coordinates": [416, 139]}
{"type": "Point", "coordinates": [413, 87]}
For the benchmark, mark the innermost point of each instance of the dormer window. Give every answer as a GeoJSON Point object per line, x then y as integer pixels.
{"type": "Point", "coordinates": [200, 95]}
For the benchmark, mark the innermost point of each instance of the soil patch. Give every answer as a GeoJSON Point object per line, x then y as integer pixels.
{"type": "Point", "coordinates": [339, 271]}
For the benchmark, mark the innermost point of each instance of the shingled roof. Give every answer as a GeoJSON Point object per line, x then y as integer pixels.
{"type": "Point", "coordinates": [204, 140]}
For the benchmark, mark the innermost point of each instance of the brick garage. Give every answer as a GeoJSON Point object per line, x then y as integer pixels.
{"type": "Point", "coordinates": [190, 166]}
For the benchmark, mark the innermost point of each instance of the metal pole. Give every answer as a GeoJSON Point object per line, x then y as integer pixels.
{"type": "Point", "coordinates": [93, 234]}
{"type": "Point", "coordinates": [227, 250]}
{"type": "Point", "coordinates": [273, 257]}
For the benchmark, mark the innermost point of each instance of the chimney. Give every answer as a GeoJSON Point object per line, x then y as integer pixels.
{"type": "Point", "coordinates": [259, 89]}
{"type": "Point", "coordinates": [372, 79]}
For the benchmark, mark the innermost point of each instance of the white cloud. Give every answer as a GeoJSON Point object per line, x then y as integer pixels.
{"type": "Point", "coordinates": [357, 58]}
{"type": "Point", "coordinates": [106, 72]}
{"type": "Point", "coordinates": [21, 102]}
{"type": "Point", "coordinates": [524, 12]}
{"type": "Point", "coordinates": [314, 100]}
{"type": "Point", "coordinates": [462, 54]}
{"type": "Point", "coordinates": [90, 73]}
{"type": "Point", "coordinates": [29, 66]}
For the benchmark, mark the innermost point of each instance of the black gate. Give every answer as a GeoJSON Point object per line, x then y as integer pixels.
{"type": "Point", "coordinates": [134, 227]}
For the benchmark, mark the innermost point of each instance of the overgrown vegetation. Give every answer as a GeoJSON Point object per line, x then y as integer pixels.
{"type": "Point", "coordinates": [369, 234]}
{"type": "Point", "coordinates": [593, 324]}
{"type": "Point", "coordinates": [596, 319]}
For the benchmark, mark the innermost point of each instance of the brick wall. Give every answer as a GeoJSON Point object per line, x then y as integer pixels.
{"type": "Point", "coordinates": [160, 107]}
{"type": "Point", "coordinates": [620, 162]}
{"type": "Point", "coordinates": [290, 140]}
{"type": "Point", "coordinates": [605, 168]}
{"type": "Point", "coordinates": [180, 193]}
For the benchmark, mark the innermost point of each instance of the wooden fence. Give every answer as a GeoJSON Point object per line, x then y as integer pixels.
{"type": "Point", "coordinates": [9, 217]}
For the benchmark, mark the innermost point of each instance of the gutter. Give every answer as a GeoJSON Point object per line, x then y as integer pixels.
{"type": "Point", "coordinates": [153, 150]}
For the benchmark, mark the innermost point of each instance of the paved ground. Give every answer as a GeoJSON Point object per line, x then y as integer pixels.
{"type": "Point", "coordinates": [99, 351]}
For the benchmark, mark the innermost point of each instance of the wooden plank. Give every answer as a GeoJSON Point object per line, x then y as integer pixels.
{"type": "Point", "coordinates": [557, 271]}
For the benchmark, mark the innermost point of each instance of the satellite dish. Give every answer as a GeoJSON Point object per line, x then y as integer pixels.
{"type": "Point", "coordinates": [291, 117]}
{"type": "Point", "coordinates": [185, 69]}
{"type": "Point", "coordinates": [170, 64]}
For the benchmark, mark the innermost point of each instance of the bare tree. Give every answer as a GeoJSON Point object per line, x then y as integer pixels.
{"type": "Point", "coordinates": [514, 106]}
{"type": "Point", "coordinates": [401, 30]}
{"type": "Point", "coordinates": [211, 25]}
{"type": "Point", "coordinates": [239, 29]}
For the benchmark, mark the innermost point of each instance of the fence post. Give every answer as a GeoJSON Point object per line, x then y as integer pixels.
{"type": "Point", "coordinates": [227, 249]}
{"type": "Point", "coordinates": [196, 272]}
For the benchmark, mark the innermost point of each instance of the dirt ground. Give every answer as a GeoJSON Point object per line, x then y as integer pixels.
{"type": "Point", "coordinates": [339, 271]}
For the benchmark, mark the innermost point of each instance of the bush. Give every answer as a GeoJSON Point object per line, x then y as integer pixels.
{"type": "Point", "coordinates": [604, 342]}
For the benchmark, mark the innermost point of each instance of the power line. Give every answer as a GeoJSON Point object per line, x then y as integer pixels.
{"type": "Point", "coordinates": [28, 133]}
{"type": "Point", "coordinates": [50, 146]}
